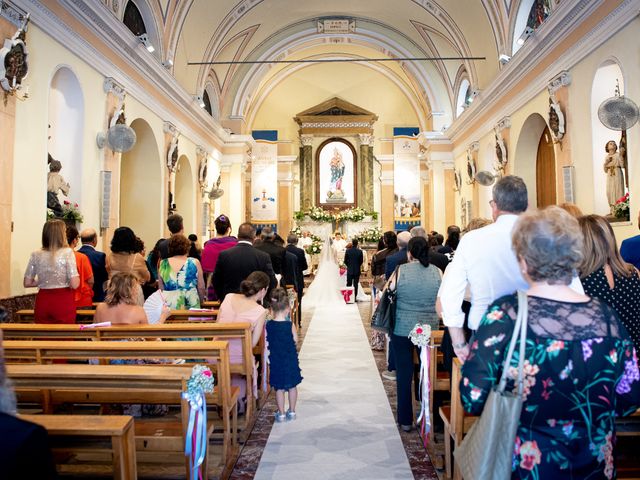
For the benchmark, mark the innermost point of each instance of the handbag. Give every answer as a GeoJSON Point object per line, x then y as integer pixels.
{"type": "Point", "coordinates": [384, 318]}
{"type": "Point", "coordinates": [487, 451]}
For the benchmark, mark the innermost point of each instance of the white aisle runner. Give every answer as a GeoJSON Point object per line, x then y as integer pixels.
{"type": "Point", "coordinates": [345, 428]}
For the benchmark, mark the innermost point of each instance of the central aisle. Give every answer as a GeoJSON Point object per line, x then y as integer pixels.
{"type": "Point", "coordinates": [345, 428]}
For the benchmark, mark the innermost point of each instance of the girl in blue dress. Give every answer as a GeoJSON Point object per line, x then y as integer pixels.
{"type": "Point", "coordinates": [284, 375]}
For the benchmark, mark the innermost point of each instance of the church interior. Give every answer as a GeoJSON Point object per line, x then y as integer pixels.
{"type": "Point", "coordinates": [361, 117]}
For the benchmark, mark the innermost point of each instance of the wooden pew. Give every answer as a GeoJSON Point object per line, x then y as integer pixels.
{"type": "Point", "coordinates": [214, 304]}
{"type": "Point", "coordinates": [86, 316]}
{"type": "Point", "coordinates": [225, 396]}
{"type": "Point", "coordinates": [119, 428]}
{"type": "Point", "coordinates": [456, 421]}
{"type": "Point", "coordinates": [209, 331]}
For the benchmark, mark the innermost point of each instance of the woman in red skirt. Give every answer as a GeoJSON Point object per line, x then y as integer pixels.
{"type": "Point", "coordinates": [53, 270]}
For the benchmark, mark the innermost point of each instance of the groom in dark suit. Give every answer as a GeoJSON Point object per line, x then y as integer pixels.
{"type": "Point", "coordinates": [353, 260]}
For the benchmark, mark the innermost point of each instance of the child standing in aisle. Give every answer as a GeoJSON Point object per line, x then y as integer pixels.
{"type": "Point", "coordinates": [283, 357]}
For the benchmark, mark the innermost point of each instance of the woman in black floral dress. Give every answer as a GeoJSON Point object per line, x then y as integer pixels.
{"type": "Point", "coordinates": [606, 276]}
{"type": "Point", "coordinates": [580, 370]}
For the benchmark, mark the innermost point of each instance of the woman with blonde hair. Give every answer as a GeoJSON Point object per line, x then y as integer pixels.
{"type": "Point", "coordinates": [123, 302]}
{"type": "Point", "coordinates": [606, 276]}
{"type": "Point", "coordinates": [53, 270]}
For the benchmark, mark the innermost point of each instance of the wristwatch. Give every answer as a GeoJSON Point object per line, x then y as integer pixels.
{"type": "Point", "coordinates": [460, 345]}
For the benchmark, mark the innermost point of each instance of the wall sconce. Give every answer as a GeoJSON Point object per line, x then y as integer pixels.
{"type": "Point", "coordinates": [525, 35]}
{"type": "Point", "coordinates": [144, 39]}
{"type": "Point", "coordinates": [199, 100]}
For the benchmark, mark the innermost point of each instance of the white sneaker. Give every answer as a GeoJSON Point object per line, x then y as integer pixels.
{"type": "Point", "coordinates": [389, 375]}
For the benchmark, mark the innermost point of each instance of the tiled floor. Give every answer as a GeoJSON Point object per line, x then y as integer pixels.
{"type": "Point", "coordinates": [252, 450]}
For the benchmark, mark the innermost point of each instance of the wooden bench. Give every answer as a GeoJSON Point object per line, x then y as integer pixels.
{"type": "Point", "coordinates": [87, 316]}
{"type": "Point", "coordinates": [119, 428]}
{"type": "Point", "coordinates": [217, 353]}
{"type": "Point", "coordinates": [214, 304]}
{"type": "Point", "coordinates": [457, 422]}
{"type": "Point", "coordinates": [209, 331]}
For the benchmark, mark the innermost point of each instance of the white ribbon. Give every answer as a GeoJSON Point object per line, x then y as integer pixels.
{"type": "Point", "coordinates": [196, 437]}
{"type": "Point", "coordinates": [424, 419]}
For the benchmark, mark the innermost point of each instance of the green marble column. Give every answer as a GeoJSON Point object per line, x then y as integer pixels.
{"type": "Point", "coordinates": [306, 173]}
{"type": "Point", "coordinates": [365, 180]}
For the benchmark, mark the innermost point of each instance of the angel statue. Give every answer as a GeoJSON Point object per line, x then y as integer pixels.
{"type": "Point", "coordinates": [613, 165]}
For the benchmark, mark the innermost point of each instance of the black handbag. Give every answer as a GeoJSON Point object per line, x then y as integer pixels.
{"type": "Point", "coordinates": [384, 318]}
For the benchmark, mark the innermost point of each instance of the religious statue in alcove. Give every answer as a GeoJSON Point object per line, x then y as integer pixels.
{"type": "Point", "coordinates": [172, 166]}
{"type": "Point", "coordinates": [556, 119]}
{"type": "Point", "coordinates": [471, 169]}
{"type": "Point", "coordinates": [336, 194]}
{"type": "Point", "coordinates": [613, 167]}
{"type": "Point", "coordinates": [55, 183]}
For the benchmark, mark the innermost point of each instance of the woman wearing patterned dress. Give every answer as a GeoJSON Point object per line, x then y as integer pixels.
{"type": "Point", "coordinates": [607, 277]}
{"type": "Point", "coordinates": [580, 370]}
{"type": "Point", "coordinates": [180, 277]}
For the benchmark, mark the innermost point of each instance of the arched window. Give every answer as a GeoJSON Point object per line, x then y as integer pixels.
{"type": "Point", "coordinates": [133, 19]}
{"type": "Point", "coordinates": [207, 103]}
{"type": "Point", "coordinates": [464, 97]}
{"type": "Point", "coordinates": [531, 14]}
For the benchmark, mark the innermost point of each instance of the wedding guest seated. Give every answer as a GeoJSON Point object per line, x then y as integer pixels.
{"type": "Point", "coordinates": [123, 302]}
{"type": "Point", "coordinates": [83, 295]}
{"type": "Point", "coordinates": [212, 248]}
{"type": "Point", "coordinates": [607, 277]}
{"type": "Point", "coordinates": [125, 255]}
{"type": "Point", "coordinates": [25, 452]}
{"type": "Point", "coordinates": [180, 277]}
{"type": "Point", "coordinates": [580, 367]}
{"type": "Point", "coordinates": [245, 307]}
{"type": "Point", "coordinates": [53, 270]}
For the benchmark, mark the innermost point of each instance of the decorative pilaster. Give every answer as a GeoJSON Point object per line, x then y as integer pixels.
{"type": "Point", "coordinates": [365, 175]}
{"type": "Point", "coordinates": [306, 172]}
{"type": "Point", "coordinates": [285, 194]}
{"type": "Point", "coordinates": [559, 104]}
{"type": "Point", "coordinates": [115, 97]}
{"type": "Point", "coordinates": [386, 192]}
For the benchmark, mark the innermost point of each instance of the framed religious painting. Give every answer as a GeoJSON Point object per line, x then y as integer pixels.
{"type": "Point", "coordinates": [336, 174]}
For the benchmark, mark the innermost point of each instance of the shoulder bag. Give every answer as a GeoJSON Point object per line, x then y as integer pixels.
{"type": "Point", "coordinates": [486, 453]}
{"type": "Point", "coordinates": [384, 318]}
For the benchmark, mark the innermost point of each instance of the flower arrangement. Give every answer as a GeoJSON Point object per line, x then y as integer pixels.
{"type": "Point", "coordinates": [318, 214]}
{"type": "Point", "coordinates": [621, 208]}
{"type": "Point", "coordinates": [420, 335]}
{"type": "Point", "coordinates": [315, 247]}
{"type": "Point", "coordinates": [201, 379]}
{"type": "Point", "coordinates": [370, 235]}
{"type": "Point", "coordinates": [70, 211]}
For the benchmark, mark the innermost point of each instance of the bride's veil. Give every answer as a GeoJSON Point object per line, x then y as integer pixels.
{"type": "Point", "coordinates": [325, 288]}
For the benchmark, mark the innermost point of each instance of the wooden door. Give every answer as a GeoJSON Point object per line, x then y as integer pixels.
{"type": "Point", "coordinates": [546, 171]}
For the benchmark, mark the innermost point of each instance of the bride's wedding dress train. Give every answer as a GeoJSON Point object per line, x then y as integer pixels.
{"type": "Point", "coordinates": [324, 291]}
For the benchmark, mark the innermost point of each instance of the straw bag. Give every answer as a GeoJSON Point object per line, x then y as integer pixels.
{"type": "Point", "coordinates": [486, 453]}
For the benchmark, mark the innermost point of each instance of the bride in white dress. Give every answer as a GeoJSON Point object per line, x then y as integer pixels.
{"type": "Point", "coordinates": [325, 288]}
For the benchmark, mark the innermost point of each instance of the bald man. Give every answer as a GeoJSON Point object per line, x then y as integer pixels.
{"type": "Point", "coordinates": [89, 239]}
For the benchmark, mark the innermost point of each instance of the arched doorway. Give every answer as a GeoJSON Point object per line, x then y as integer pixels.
{"type": "Point", "coordinates": [66, 125]}
{"type": "Point", "coordinates": [525, 159]}
{"type": "Point", "coordinates": [185, 196]}
{"type": "Point", "coordinates": [141, 186]}
{"type": "Point", "coordinates": [545, 171]}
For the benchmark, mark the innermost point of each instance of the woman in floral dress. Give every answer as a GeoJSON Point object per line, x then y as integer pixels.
{"type": "Point", "coordinates": [180, 277]}
{"type": "Point", "coordinates": [580, 370]}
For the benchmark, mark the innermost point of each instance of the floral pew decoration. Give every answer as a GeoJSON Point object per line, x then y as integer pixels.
{"type": "Point", "coordinates": [421, 337]}
{"type": "Point", "coordinates": [199, 384]}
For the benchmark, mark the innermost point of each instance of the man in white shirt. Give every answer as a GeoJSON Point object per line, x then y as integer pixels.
{"type": "Point", "coordinates": [486, 262]}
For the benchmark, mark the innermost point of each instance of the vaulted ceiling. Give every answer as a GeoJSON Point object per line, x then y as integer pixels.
{"type": "Point", "coordinates": [226, 30]}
